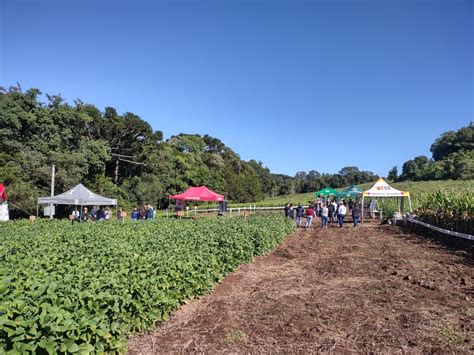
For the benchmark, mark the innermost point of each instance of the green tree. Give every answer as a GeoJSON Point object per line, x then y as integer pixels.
{"type": "Point", "coordinates": [393, 174]}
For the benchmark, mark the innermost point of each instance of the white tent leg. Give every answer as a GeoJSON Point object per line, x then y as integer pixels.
{"type": "Point", "coordinates": [362, 213]}
{"type": "Point", "coordinates": [409, 202]}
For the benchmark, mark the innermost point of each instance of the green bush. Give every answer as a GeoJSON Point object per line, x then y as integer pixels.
{"type": "Point", "coordinates": [85, 287]}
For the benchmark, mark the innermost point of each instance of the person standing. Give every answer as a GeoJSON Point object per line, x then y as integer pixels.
{"type": "Point", "coordinates": [100, 215]}
{"type": "Point", "coordinates": [341, 213]}
{"type": "Point", "coordinates": [85, 215]}
{"type": "Point", "coordinates": [287, 208]}
{"type": "Point", "coordinates": [93, 213]}
{"type": "Point", "coordinates": [309, 216]}
{"type": "Point", "coordinates": [333, 211]}
{"type": "Point", "coordinates": [142, 212]}
{"type": "Point", "coordinates": [350, 204]}
{"type": "Point", "coordinates": [372, 208]}
{"type": "Point", "coordinates": [291, 212]}
{"type": "Point", "coordinates": [299, 215]}
{"type": "Point", "coordinates": [107, 214]}
{"type": "Point", "coordinates": [356, 214]}
{"type": "Point", "coordinates": [135, 214]}
{"type": "Point", "coordinates": [149, 212]}
{"type": "Point", "coordinates": [324, 216]}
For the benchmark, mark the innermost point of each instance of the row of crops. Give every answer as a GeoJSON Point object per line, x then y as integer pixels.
{"type": "Point", "coordinates": [450, 210]}
{"type": "Point", "coordinates": [86, 287]}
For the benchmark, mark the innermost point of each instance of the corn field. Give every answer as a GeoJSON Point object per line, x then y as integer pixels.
{"type": "Point", "coordinates": [450, 210]}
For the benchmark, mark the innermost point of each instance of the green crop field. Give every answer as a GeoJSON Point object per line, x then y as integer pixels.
{"type": "Point", "coordinates": [86, 287]}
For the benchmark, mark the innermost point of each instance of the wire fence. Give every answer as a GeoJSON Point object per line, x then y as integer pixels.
{"type": "Point", "coordinates": [231, 212]}
{"type": "Point", "coordinates": [411, 220]}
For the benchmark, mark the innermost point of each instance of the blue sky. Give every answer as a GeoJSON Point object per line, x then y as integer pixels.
{"type": "Point", "coordinates": [299, 85]}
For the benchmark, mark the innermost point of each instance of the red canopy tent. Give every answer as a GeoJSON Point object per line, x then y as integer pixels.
{"type": "Point", "coordinates": [3, 206]}
{"type": "Point", "coordinates": [200, 193]}
{"type": "Point", "coordinates": [3, 193]}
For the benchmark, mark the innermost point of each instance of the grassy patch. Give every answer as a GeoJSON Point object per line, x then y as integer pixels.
{"type": "Point", "coordinates": [236, 336]}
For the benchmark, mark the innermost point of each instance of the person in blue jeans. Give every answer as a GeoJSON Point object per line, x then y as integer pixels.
{"type": "Point", "coordinates": [150, 214]}
{"type": "Point", "coordinates": [309, 216]}
{"type": "Point", "coordinates": [341, 213]}
{"type": "Point", "coordinates": [324, 216]}
{"type": "Point", "coordinates": [299, 215]}
{"type": "Point", "coordinates": [356, 214]}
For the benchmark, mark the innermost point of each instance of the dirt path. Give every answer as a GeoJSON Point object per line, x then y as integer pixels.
{"type": "Point", "coordinates": [372, 288]}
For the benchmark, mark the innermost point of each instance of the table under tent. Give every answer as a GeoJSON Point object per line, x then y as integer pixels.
{"type": "Point", "coordinates": [382, 190]}
{"type": "Point", "coordinates": [79, 195]}
{"type": "Point", "coordinates": [199, 193]}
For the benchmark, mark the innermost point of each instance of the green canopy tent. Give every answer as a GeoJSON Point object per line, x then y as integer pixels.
{"type": "Point", "coordinates": [353, 191]}
{"type": "Point", "coordinates": [327, 191]}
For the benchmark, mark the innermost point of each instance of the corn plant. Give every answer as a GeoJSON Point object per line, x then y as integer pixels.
{"type": "Point", "coordinates": [450, 210]}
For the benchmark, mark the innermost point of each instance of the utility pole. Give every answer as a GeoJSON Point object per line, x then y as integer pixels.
{"type": "Point", "coordinates": [53, 171]}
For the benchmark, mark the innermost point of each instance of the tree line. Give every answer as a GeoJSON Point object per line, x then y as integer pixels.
{"type": "Point", "coordinates": [121, 156]}
{"type": "Point", "coordinates": [452, 158]}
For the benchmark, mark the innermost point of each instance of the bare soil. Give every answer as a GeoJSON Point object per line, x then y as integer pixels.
{"type": "Point", "coordinates": [370, 288]}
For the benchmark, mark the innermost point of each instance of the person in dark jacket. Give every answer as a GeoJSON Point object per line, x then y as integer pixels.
{"type": "Point", "coordinates": [356, 214]}
{"type": "Point", "coordinates": [85, 215]}
{"type": "Point", "coordinates": [100, 216]}
{"type": "Point", "coordinates": [135, 214]}
{"type": "Point", "coordinates": [299, 215]}
{"type": "Point", "coordinates": [350, 204]}
{"type": "Point", "coordinates": [142, 212]}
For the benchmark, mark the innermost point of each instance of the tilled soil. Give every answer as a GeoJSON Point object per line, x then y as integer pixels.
{"type": "Point", "coordinates": [370, 288]}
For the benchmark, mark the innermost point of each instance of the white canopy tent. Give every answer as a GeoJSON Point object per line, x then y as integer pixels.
{"type": "Point", "coordinates": [79, 195]}
{"type": "Point", "coordinates": [382, 189]}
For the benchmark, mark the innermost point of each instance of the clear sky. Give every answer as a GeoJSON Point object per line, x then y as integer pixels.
{"type": "Point", "coordinates": [299, 85]}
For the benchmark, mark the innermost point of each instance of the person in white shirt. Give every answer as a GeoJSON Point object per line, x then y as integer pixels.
{"type": "Point", "coordinates": [372, 208]}
{"type": "Point", "coordinates": [341, 213]}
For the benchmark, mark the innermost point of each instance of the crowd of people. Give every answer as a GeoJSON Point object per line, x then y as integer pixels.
{"type": "Point", "coordinates": [327, 210]}
{"type": "Point", "coordinates": [143, 212]}
{"type": "Point", "coordinates": [94, 214]}
{"type": "Point", "coordinates": [104, 214]}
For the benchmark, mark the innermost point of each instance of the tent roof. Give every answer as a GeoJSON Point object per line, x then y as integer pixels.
{"type": "Point", "coordinates": [327, 191]}
{"type": "Point", "coordinates": [200, 193]}
{"type": "Point", "coordinates": [353, 190]}
{"type": "Point", "coordinates": [78, 195]}
{"type": "Point", "coordinates": [382, 189]}
{"type": "Point", "coordinates": [3, 193]}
